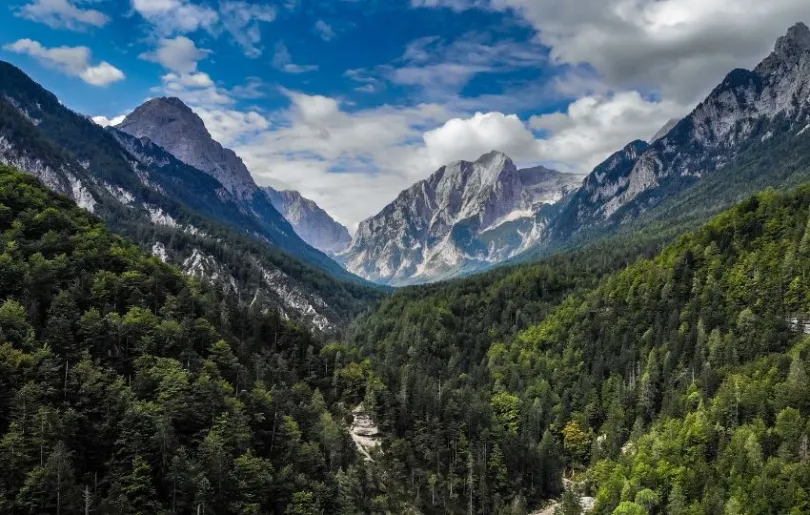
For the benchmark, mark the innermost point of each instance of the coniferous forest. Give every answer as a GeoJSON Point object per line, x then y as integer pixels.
{"type": "Point", "coordinates": [126, 387]}
{"type": "Point", "coordinates": [672, 383]}
{"type": "Point", "coordinates": [675, 385]}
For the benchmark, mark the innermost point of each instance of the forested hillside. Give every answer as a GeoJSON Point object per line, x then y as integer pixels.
{"type": "Point", "coordinates": [677, 385]}
{"type": "Point", "coordinates": [128, 388]}
{"type": "Point", "coordinates": [672, 384]}
{"type": "Point", "coordinates": [171, 209]}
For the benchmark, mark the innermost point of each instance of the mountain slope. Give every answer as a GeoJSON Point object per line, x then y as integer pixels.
{"type": "Point", "coordinates": [680, 378]}
{"type": "Point", "coordinates": [126, 387]}
{"type": "Point", "coordinates": [173, 126]}
{"type": "Point", "coordinates": [169, 208]}
{"type": "Point", "coordinates": [748, 110]}
{"type": "Point", "coordinates": [463, 217]}
{"type": "Point", "coordinates": [311, 223]}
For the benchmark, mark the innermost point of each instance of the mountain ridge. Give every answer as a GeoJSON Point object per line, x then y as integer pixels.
{"type": "Point", "coordinates": [169, 208]}
{"type": "Point", "coordinates": [314, 225]}
{"type": "Point", "coordinates": [745, 110]}
{"type": "Point", "coordinates": [172, 125]}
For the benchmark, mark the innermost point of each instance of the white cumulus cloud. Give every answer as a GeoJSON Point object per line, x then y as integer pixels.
{"type": "Point", "coordinates": [62, 14]}
{"type": "Point", "coordinates": [107, 122]}
{"type": "Point", "coordinates": [228, 126]}
{"type": "Point", "coordinates": [352, 163]}
{"type": "Point", "coordinates": [467, 139]}
{"type": "Point", "coordinates": [169, 17]}
{"type": "Point", "coordinates": [179, 54]}
{"type": "Point", "coordinates": [593, 127]}
{"type": "Point", "coordinates": [74, 61]}
{"type": "Point", "coordinates": [193, 88]}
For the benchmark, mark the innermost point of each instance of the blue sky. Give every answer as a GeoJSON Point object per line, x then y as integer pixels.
{"type": "Point", "coordinates": [350, 101]}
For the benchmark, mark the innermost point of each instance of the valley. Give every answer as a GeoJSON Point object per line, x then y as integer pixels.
{"type": "Point", "coordinates": [503, 337]}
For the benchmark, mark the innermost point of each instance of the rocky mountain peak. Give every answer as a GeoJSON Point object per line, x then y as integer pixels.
{"type": "Point", "coordinates": [311, 223]}
{"type": "Point", "coordinates": [788, 50]}
{"type": "Point", "coordinates": [171, 124]}
{"type": "Point", "coordinates": [637, 147]}
{"type": "Point", "coordinates": [167, 110]}
{"type": "Point", "coordinates": [797, 38]}
{"type": "Point", "coordinates": [494, 158]}
{"type": "Point", "coordinates": [474, 176]}
{"type": "Point", "coordinates": [464, 216]}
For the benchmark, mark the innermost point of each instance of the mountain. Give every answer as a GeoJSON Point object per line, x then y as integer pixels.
{"type": "Point", "coordinates": [311, 223]}
{"type": "Point", "coordinates": [747, 114]}
{"type": "Point", "coordinates": [465, 216]}
{"type": "Point", "coordinates": [169, 208]}
{"type": "Point", "coordinates": [174, 127]}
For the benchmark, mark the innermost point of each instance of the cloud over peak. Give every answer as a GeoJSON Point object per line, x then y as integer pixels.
{"type": "Point", "coordinates": [179, 54]}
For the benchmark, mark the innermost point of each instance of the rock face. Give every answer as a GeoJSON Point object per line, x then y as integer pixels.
{"type": "Point", "coordinates": [174, 127]}
{"type": "Point", "coordinates": [599, 187]}
{"type": "Point", "coordinates": [464, 217]}
{"type": "Point", "coordinates": [311, 223]}
{"type": "Point", "coordinates": [665, 129]}
{"type": "Point", "coordinates": [748, 107]}
{"type": "Point", "coordinates": [364, 432]}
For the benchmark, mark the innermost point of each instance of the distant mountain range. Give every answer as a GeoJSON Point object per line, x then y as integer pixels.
{"type": "Point", "coordinates": [161, 167]}
{"type": "Point", "coordinates": [313, 224]}
{"type": "Point", "coordinates": [471, 216]}
{"type": "Point", "coordinates": [464, 217]}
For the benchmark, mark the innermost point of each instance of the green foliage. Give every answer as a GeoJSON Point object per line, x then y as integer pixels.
{"type": "Point", "coordinates": [124, 389]}
{"type": "Point", "coordinates": [629, 508]}
{"type": "Point", "coordinates": [569, 504]}
{"type": "Point", "coordinates": [678, 382]}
